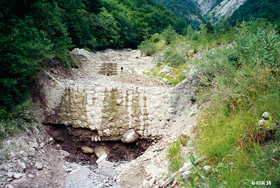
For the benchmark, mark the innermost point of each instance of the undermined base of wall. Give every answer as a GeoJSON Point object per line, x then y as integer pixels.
{"type": "Point", "coordinates": [74, 140]}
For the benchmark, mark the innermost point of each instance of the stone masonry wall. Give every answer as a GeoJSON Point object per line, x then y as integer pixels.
{"type": "Point", "coordinates": [94, 100]}
{"type": "Point", "coordinates": [111, 111]}
{"type": "Point", "coordinates": [111, 62]}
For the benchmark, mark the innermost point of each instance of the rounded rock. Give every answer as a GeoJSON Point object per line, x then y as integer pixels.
{"type": "Point", "coordinates": [130, 136]}
{"type": "Point", "coordinates": [87, 150]}
{"type": "Point", "coordinates": [101, 150]}
{"type": "Point", "coordinates": [265, 115]}
{"type": "Point", "coordinates": [31, 152]}
{"type": "Point", "coordinates": [38, 165]}
{"type": "Point", "coordinates": [10, 174]}
{"type": "Point", "coordinates": [17, 175]}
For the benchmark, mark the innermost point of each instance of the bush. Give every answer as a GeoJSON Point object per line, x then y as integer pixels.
{"type": "Point", "coordinates": [148, 48]}
{"type": "Point", "coordinates": [155, 38]}
{"type": "Point", "coordinates": [173, 57]}
{"type": "Point", "coordinates": [169, 35]}
{"type": "Point", "coordinates": [258, 43]}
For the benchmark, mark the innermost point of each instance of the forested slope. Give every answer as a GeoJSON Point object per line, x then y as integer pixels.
{"type": "Point", "coordinates": [269, 9]}
{"type": "Point", "coordinates": [188, 10]}
{"type": "Point", "coordinates": [39, 33]}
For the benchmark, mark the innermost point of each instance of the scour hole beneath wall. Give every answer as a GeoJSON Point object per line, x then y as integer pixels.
{"type": "Point", "coordinates": [72, 139]}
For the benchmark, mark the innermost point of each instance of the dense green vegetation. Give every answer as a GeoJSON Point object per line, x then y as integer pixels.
{"type": "Point", "coordinates": [257, 9]}
{"type": "Point", "coordinates": [38, 34]}
{"type": "Point", "coordinates": [176, 49]}
{"type": "Point", "coordinates": [188, 10]}
{"type": "Point", "coordinates": [241, 82]}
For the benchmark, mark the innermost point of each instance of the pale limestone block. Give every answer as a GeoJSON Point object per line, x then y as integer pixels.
{"type": "Point", "coordinates": [112, 125]}
{"type": "Point", "coordinates": [100, 133]}
{"type": "Point", "coordinates": [100, 90]}
{"type": "Point", "coordinates": [142, 127]}
{"type": "Point", "coordinates": [150, 117]}
{"type": "Point", "coordinates": [119, 101]}
{"type": "Point", "coordinates": [107, 132]}
{"type": "Point", "coordinates": [81, 89]}
{"type": "Point", "coordinates": [77, 122]}
{"type": "Point", "coordinates": [84, 124]}
{"type": "Point", "coordinates": [109, 89]}
{"type": "Point", "coordinates": [129, 91]}
{"type": "Point", "coordinates": [145, 133]}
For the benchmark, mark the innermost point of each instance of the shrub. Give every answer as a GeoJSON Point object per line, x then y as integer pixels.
{"type": "Point", "coordinates": [258, 43]}
{"type": "Point", "coordinates": [148, 48]}
{"type": "Point", "coordinates": [155, 38]}
{"type": "Point", "coordinates": [169, 35]}
{"type": "Point", "coordinates": [173, 57]}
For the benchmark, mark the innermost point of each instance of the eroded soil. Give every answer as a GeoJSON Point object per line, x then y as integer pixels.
{"type": "Point", "coordinates": [73, 139]}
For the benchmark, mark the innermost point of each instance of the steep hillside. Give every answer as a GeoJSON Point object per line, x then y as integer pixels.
{"type": "Point", "coordinates": [188, 10]}
{"type": "Point", "coordinates": [217, 10]}
{"type": "Point", "coordinates": [224, 9]}
{"type": "Point", "coordinates": [206, 5]}
{"type": "Point", "coordinates": [257, 9]}
{"type": "Point", "coordinates": [195, 12]}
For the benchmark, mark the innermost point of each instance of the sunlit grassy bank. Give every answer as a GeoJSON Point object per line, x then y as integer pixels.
{"type": "Point", "coordinates": [241, 80]}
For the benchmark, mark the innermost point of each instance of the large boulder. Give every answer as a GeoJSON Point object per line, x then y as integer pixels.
{"type": "Point", "coordinates": [130, 136]}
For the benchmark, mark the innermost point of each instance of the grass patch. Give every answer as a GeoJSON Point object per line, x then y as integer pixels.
{"type": "Point", "coordinates": [180, 50]}
{"type": "Point", "coordinates": [20, 119]}
{"type": "Point", "coordinates": [174, 154]}
{"type": "Point", "coordinates": [179, 73]}
{"type": "Point", "coordinates": [241, 82]}
{"type": "Point", "coordinates": [229, 135]}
